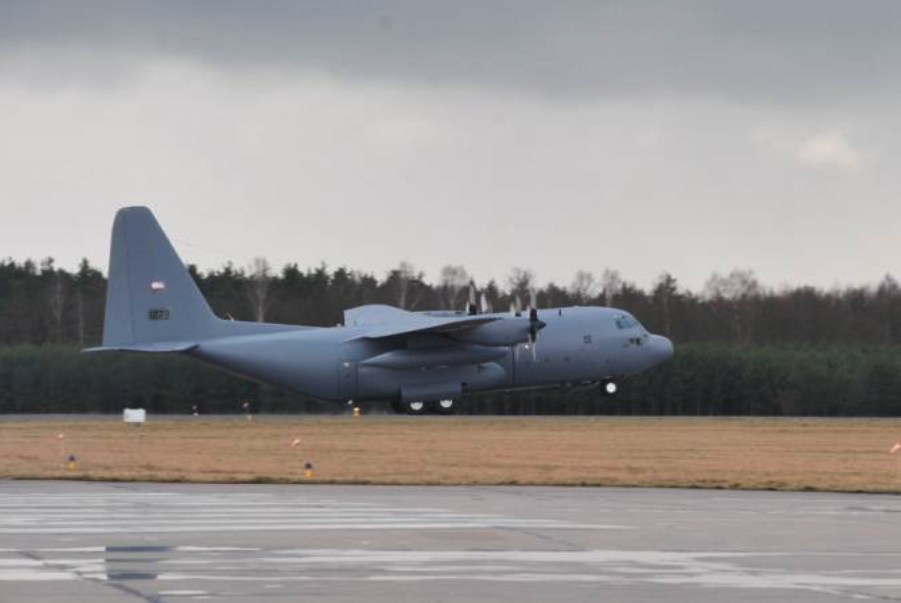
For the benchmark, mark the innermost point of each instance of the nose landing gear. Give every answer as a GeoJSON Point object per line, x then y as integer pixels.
{"type": "Point", "coordinates": [609, 387]}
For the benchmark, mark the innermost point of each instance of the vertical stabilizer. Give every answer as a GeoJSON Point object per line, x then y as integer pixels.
{"type": "Point", "coordinates": [150, 296]}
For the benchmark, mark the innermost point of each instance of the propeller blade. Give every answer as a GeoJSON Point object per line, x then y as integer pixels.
{"type": "Point", "coordinates": [535, 325]}
{"type": "Point", "coordinates": [485, 306]}
{"type": "Point", "coordinates": [472, 309]}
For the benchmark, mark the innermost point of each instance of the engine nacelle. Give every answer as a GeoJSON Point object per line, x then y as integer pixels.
{"type": "Point", "coordinates": [505, 332]}
{"type": "Point", "coordinates": [451, 355]}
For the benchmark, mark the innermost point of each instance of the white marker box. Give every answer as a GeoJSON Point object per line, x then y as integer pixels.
{"type": "Point", "coordinates": [134, 415]}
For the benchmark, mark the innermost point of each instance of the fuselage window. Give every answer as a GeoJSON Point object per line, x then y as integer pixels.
{"type": "Point", "coordinates": [626, 322]}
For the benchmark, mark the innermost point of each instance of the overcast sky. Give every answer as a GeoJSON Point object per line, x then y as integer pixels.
{"type": "Point", "coordinates": [688, 137]}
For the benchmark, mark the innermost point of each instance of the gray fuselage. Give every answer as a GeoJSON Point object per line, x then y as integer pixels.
{"type": "Point", "coordinates": [577, 345]}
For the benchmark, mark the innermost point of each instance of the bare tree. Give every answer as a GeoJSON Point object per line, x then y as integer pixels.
{"type": "Point", "coordinates": [258, 285]}
{"type": "Point", "coordinates": [81, 282]}
{"type": "Point", "coordinates": [56, 297]}
{"type": "Point", "coordinates": [736, 292]}
{"type": "Point", "coordinates": [454, 282]}
{"type": "Point", "coordinates": [80, 309]}
{"type": "Point", "coordinates": [738, 284]}
{"type": "Point", "coordinates": [521, 283]}
{"type": "Point", "coordinates": [404, 277]}
{"type": "Point", "coordinates": [665, 290]}
{"type": "Point", "coordinates": [611, 285]}
{"type": "Point", "coordinates": [584, 286]}
{"type": "Point", "coordinates": [886, 297]}
{"type": "Point", "coordinates": [57, 300]}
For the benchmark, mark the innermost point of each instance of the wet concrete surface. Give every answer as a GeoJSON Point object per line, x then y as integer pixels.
{"type": "Point", "coordinates": [75, 541]}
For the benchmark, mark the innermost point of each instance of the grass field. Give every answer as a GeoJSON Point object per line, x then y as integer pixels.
{"type": "Point", "coordinates": [784, 454]}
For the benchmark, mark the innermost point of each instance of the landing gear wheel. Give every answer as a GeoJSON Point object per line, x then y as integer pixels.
{"type": "Point", "coordinates": [446, 406]}
{"type": "Point", "coordinates": [609, 387]}
{"type": "Point", "coordinates": [415, 407]}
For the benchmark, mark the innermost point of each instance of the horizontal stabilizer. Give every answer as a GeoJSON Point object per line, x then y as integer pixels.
{"type": "Point", "coordinates": [174, 347]}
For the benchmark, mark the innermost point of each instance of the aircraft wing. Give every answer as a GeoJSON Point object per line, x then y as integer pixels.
{"type": "Point", "coordinates": [381, 322]}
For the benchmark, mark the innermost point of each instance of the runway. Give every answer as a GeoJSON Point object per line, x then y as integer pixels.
{"type": "Point", "coordinates": [74, 541]}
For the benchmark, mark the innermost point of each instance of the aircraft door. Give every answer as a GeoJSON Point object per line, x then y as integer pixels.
{"type": "Point", "coordinates": [347, 379]}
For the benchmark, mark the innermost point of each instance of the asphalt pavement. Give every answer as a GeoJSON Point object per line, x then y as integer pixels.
{"type": "Point", "coordinates": [79, 541]}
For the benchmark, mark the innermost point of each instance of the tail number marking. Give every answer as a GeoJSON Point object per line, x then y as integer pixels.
{"type": "Point", "coordinates": [158, 314]}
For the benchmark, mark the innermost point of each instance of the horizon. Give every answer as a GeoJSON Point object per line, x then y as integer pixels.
{"type": "Point", "coordinates": [502, 283]}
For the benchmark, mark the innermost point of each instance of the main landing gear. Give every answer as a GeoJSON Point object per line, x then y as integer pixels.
{"type": "Point", "coordinates": [420, 407]}
{"type": "Point", "coordinates": [445, 407]}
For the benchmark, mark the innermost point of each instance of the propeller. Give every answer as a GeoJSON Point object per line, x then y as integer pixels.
{"type": "Point", "coordinates": [472, 308]}
{"type": "Point", "coordinates": [478, 304]}
{"type": "Point", "coordinates": [516, 307]}
{"type": "Point", "coordinates": [535, 324]}
{"type": "Point", "coordinates": [484, 304]}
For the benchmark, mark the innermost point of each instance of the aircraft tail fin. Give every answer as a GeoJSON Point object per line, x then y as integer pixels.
{"type": "Point", "coordinates": [150, 296]}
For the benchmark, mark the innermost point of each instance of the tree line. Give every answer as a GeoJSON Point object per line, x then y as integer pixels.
{"type": "Point", "coordinates": [742, 347]}
{"type": "Point", "coordinates": [43, 304]}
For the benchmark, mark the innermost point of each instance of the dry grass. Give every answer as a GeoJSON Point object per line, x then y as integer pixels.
{"type": "Point", "coordinates": [789, 454]}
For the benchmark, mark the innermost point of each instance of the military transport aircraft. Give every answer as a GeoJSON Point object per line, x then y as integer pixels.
{"type": "Point", "coordinates": [418, 361]}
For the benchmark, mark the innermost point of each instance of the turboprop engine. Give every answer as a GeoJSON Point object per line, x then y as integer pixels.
{"type": "Point", "coordinates": [502, 333]}
{"type": "Point", "coordinates": [508, 332]}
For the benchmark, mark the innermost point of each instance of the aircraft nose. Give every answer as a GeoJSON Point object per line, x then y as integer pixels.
{"type": "Point", "coordinates": [661, 348]}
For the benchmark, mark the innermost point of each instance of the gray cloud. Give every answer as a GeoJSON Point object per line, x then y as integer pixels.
{"type": "Point", "coordinates": [813, 51]}
{"type": "Point", "coordinates": [686, 136]}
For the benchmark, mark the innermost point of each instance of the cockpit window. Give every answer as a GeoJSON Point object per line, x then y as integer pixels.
{"type": "Point", "coordinates": [626, 322]}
